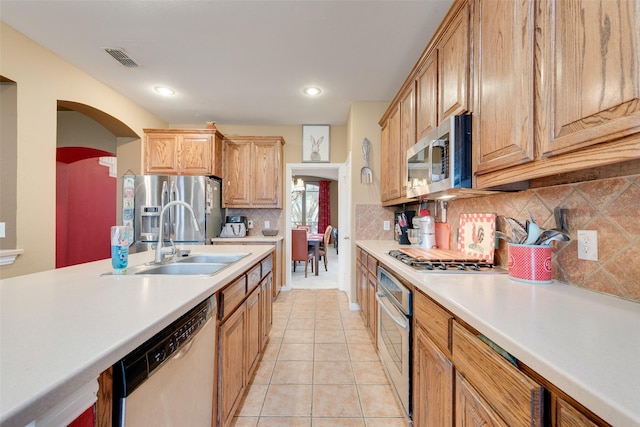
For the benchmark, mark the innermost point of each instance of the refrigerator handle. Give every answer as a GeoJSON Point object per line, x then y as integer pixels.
{"type": "Point", "coordinates": [172, 217]}
{"type": "Point", "coordinates": [164, 199]}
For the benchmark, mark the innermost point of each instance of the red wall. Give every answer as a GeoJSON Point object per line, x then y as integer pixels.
{"type": "Point", "coordinates": [86, 210]}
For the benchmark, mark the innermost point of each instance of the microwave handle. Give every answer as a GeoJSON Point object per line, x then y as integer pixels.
{"type": "Point", "coordinates": [430, 173]}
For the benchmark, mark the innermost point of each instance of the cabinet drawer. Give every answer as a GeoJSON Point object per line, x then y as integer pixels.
{"type": "Point", "coordinates": [231, 297]}
{"type": "Point", "coordinates": [512, 394]}
{"type": "Point", "coordinates": [267, 265]}
{"type": "Point", "coordinates": [433, 319]}
{"type": "Point", "coordinates": [372, 265]}
{"type": "Point", "coordinates": [253, 278]}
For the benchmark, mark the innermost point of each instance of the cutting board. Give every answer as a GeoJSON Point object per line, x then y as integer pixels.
{"type": "Point", "coordinates": [438, 255]}
{"type": "Point", "coordinates": [443, 235]}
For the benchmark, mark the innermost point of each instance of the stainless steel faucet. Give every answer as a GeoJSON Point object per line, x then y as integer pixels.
{"type": "Point", "coordinates": [160, 250]}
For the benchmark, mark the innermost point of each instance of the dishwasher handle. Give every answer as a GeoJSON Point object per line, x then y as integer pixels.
{"type": "Point", "coordinates": [187, 346]}
{"type": "Point", "coordinates": [398, 320]}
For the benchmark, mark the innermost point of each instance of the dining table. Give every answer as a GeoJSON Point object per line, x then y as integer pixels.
{"type": "Point", "coordinates": [314, 239]}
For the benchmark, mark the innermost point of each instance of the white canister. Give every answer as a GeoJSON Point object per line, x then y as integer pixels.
{"type": "Point", "coordinates": [427, 226]}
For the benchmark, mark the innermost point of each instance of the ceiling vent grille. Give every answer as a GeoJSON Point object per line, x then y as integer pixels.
{"type": "Point", "coordinates": [120, 56]}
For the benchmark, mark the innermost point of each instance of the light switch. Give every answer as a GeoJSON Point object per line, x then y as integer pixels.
{"type": "Point", "coordinates": [2, 233]}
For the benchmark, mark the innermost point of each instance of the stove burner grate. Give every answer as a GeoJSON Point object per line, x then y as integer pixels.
{"type": "Point", "coordinates": [440, 265]}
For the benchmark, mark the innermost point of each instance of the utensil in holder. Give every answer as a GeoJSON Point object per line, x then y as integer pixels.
{"type": "Point", "coordinates": [530, 263]}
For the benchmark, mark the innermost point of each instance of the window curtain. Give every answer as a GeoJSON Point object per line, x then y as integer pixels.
{"type": "Point", "coordinates": [324, 206]}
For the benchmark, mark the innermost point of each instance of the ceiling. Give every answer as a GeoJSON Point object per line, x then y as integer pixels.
{"type": "Point", "coordinates": [238, 62]}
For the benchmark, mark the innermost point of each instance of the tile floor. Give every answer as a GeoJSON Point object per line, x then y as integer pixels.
{"type": "Point", "coordinates": [320, 368]}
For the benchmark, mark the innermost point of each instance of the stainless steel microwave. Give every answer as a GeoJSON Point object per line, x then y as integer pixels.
{"type": "Point", "coordinates": [441, 160]}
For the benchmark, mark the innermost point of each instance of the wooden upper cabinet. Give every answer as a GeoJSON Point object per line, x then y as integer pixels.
{"type": "Point", "coordinates": [183, 152]}
{"type": "Point", "coordinates": [384, 165]}
{"type": "Point", "coordinates": [252, 172]}
{"type": "Point", "coordinates": [394, 184]}
{"type": "Point", "coordinates": [503, 82]}
{"type": "Point", "coordinates": [589, 80]}
{"type": "Point", "coordinates": [407, 133]}
{"type": "Point", "coordinates": [427, 95]}
{"type": "Point", "coordinates": [454, 65]}
{"type": "Point", "coordinates": [267, 172]}
{"type": "Point", "coordinates": [236, 176]}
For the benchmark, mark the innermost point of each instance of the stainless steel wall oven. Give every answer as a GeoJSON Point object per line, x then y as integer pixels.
{"type": "Point", "coordinates": [394, 334]}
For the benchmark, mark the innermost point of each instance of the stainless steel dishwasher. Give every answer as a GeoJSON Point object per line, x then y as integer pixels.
{"type": "Point", "coordinates": [168, 380]}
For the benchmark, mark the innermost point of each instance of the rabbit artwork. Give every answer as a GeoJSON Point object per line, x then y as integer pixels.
{"type": "Point", "coordinates": [315, 148]}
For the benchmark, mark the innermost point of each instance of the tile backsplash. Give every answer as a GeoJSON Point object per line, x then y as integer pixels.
{"type": "Point", "coordinates": [259, 216]}
{"type": "Point", "coordinates": [608, 206]}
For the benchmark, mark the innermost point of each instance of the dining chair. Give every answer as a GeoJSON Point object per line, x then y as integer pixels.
{"type": "Point", "coordinates": [304, 227]}
{"type": "Point", "coordinates": [300, 250]}
{"type": "Point", "coordinates": [322, 254]}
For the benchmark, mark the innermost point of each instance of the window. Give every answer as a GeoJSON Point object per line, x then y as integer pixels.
{"type": "Point", "coordinates": [304, 207]}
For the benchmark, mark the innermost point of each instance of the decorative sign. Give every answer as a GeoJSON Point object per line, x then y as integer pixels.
{"type": "Point", "coordinates": [315, 143]}
{"type": "Point", "coordinates": [477, 235]}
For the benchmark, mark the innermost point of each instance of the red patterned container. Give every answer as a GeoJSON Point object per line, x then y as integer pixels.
{"type": "Point", "coordinates": [530, 263]}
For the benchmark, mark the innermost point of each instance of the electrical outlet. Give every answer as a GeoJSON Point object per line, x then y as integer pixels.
{"type": "Point", "coordinates": [588, 245]}
{"type": "Point", "coordinates": [250, 223]}
{"type": "Point", "coordinates": [387, 225]}
{"type": "Point", "coordinates": [267, 224]}
{"type": "Point", "coordinates": [2, 230]}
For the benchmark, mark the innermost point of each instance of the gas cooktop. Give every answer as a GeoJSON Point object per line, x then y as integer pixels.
{"type": "Point", "coordinates": [444, 264]}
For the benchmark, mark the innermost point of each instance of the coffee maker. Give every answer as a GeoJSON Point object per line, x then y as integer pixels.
{"type": "Point", "coordinates": [403, 220]}
{"type": "Point", "coordinates": [235, 226]}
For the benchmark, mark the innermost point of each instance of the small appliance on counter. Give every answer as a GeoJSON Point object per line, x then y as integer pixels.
{"type": "Point", "coordinates": [235, 226]}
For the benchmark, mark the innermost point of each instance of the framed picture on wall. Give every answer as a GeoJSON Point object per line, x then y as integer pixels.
{"type": "Point", "coordinates": [315, 143]}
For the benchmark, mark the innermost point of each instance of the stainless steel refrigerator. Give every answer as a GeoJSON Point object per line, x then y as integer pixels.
{"type": "Point", "coordinates": [153, 192]}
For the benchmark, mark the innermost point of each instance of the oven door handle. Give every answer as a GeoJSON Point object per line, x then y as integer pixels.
{"type": "Point", "coordinates": [400, 321]}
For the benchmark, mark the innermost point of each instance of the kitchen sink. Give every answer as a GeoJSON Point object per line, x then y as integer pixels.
{"type": "Point", "coordinates": [183, 269]}
{"type": "Point", "coordinates": [211, 258]}
{"type": "Point", "coordinates": [189, 265]}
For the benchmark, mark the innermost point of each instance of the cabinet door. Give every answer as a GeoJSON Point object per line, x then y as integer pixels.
{"type": "Point", "coordinates": [589, 82]}
{"type": "Point", "coordinates": [384, 162]}
{"type": "Point", "coordinates": [427, 95]}
{"type": "Point", "coordinates": [453, 62]}
{"type": "Point", "coordinates": [502, 115]}
{"type": "Point", "coordinates": [254, 330]}
{"type": "Point", "coordinates": [364, 298]}
{"type": "Point", "coordinates": [471, 409]}
{"type": "Point", "coordinates": [568, 416]}
{"type": "Point", "coordinates": [432, 384]}
{"type": "Point", "coordinates": [407, 134]}
{"type": "Point", "coordinates": [372, 282]}
{"type": "Point", "coordinates": [267, 309]}
{"type": "Point", "coordinates": [266, 174]}
{"type": "Point", "coordinates": [512, 394]}
{"type": "Point", "coordinates": [195, 154]}
{"type": "Point", "coordinates": [161, 154]}
{"type": "Point", "coordinates": [393, 156]}
{"type": "Point", "coordinates": [237, 173]}
{"type": "Point", "coordinates": [231, 364]}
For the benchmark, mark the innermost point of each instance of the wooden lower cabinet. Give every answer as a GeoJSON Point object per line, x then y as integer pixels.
{"type": "Point", "coordinates": [242, 334]}
{"type": "Point", "coordinates": [254, 333]}
{"type": "Point", "coordinates": [372, 288]}
{"type": "Point", "coordinates": [231, 368]}
{"type": "Point", "coordinates": [568, 416]}
{"type": "Point", "coordinates": [471, 409]}
{"type": "Point", "coordinates": [267, 309]}
{"type": "Point", "coordinates": [517, 398]}
{"type": "Point", "coordinates": [432, 383]}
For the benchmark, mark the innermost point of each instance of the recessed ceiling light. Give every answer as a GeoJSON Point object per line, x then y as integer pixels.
{"type": "Point", "coordinates": [165, 91]}
{"type": "Point", "coordinates": [311, 91]}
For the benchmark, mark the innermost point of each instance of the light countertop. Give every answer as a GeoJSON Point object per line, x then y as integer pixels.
{"type": "Point", "coordinates": [60, 329]}
{"type": "Point", "coordinates": [585, 343]}
{"type": "Point", "coordinates": [248, 239]}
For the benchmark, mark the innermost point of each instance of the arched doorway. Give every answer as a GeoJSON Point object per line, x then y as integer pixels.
{"type": "Point", "coordinates": [86, 182]}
